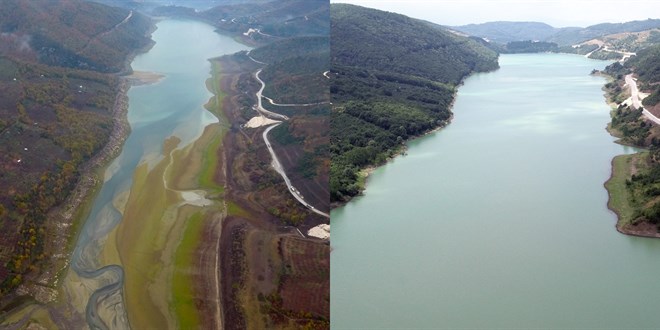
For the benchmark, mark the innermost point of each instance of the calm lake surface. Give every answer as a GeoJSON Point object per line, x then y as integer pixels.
{"type": "Point", "coordinates": [499, 220]}
{"type": "Point", "coordinates": [171, 107]}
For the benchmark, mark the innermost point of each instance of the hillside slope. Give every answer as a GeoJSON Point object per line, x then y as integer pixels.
{"type": "Point", "coordinates": [75, 33]}
{"type": "Point", "coordinates": [394, 78]}
{"type": "Point", "coordinates": [504, 32]}
{"type": "Point", "coordinates": [566, 37]}
{"type": "Point", "coordinates": [57, 122]}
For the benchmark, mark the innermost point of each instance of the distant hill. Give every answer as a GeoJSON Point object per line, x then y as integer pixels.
{"type": "Point", "coordinates": [504, 32]}
{"type": "Point", "coordinates": [284, 18]}
{"type": "Point", "coordinates": [403, 45]}
{"type": "Point", "coordinates": [258, 22]}
{"type": "Point", "coordinates": [149, 5]}
{"type": "Point", "coordinates": [568, 36]}
{"type": "Point", "coordinates": [626, 41]}
{"type": "Point", "coordinates": [75, 34]}
{"type": "Point", "coordinates": [394, 78]}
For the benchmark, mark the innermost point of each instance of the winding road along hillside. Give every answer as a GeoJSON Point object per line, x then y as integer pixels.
{"type": "Point", "coordinates": [276, 163]}
{"type": "Point", "coordinates": [637, 102]}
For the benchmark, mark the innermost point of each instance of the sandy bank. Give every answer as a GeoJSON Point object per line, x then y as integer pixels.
{"type": "Point", "coordinates": [321, 231]}
{"type": "Point", "coordinates": [139, 78]}
{"type": "Point", "coordinates": [259, 121]}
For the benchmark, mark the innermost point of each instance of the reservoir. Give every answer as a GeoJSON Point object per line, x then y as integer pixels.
{"type": "Point", "coordinates": [500, 219]}
{"type": "Point", "coordinates": [173, 106]}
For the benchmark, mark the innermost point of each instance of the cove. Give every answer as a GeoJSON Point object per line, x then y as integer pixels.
{"type": "Point", "coordinates": [500, 219]}
{"type": "Point", "coordinates": [173, 107]}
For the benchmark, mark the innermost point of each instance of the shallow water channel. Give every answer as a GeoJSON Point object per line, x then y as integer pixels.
{"type": "Point", "coordinates": [171, 107]}
{"type": "Point", "coordinates": [500, 219]}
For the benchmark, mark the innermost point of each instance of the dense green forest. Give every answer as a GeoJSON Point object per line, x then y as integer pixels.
{"type": "Point", "coordinates": [394, 78]}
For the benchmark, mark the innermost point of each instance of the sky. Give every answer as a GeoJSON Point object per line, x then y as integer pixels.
{"type": "Point", "coordinates": [558, 13]}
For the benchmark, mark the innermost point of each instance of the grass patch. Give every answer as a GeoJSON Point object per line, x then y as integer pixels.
{"type": "Point", "coordinates": [140, 241]}
{"type": "Point", "coordinates": [234, 209]}
{"type": "Point", "coordinates": [214, 105]}
{"type": "Point", "coordinates": [362, 178]}
{"type": "Point", "coordinates": [210, 159]}
{"type": "Point", "coordinates": [210, 164]}
{"type": "Point", "coordinates": [620, 200]}
{"type": "Point", "coordinates": [183, 301]}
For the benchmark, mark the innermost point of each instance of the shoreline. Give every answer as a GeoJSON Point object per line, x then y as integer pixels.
{"type": "Point", "coordinates": [366, 172]}
{"type": "Point", "coordinates": [622, 225]}
{"type": "Point", "coordinates": [142, 78]}
{"type": "Point", "coordinates": [69, 217]}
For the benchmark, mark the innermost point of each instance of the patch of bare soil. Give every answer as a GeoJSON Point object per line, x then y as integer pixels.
{"type": "Point", "coordinates": [207, 263]}
{"type": "Point", "coordinates": [232, 270]}
{"type": "Point", "coordinates": [642, 229]}
{"type": "Point", "coordinates": [305, 284]}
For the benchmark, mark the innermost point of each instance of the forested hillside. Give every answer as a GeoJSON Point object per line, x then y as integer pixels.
{"type": "Point", "coordinates": [75, 34]}
{"type": "Point", "coordinates": [294, 75]}
{"type": "Point", "coordinates": [394, 78]}
{"type": "Point", "coordinates": [58, 109]}
{"type": "Point", "coordinates": [292, 47]}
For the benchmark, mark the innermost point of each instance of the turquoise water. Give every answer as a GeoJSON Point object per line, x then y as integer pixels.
{"type": "Point", "coordinates": [171, 107]}
{"type": "Point", "coordinates": [499, 220]}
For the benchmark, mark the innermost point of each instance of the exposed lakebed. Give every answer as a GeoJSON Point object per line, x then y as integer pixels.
{"type": "Point", "coordinates": [499, 220]}
{"type": "Point", "coordinates": [143, 193]}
